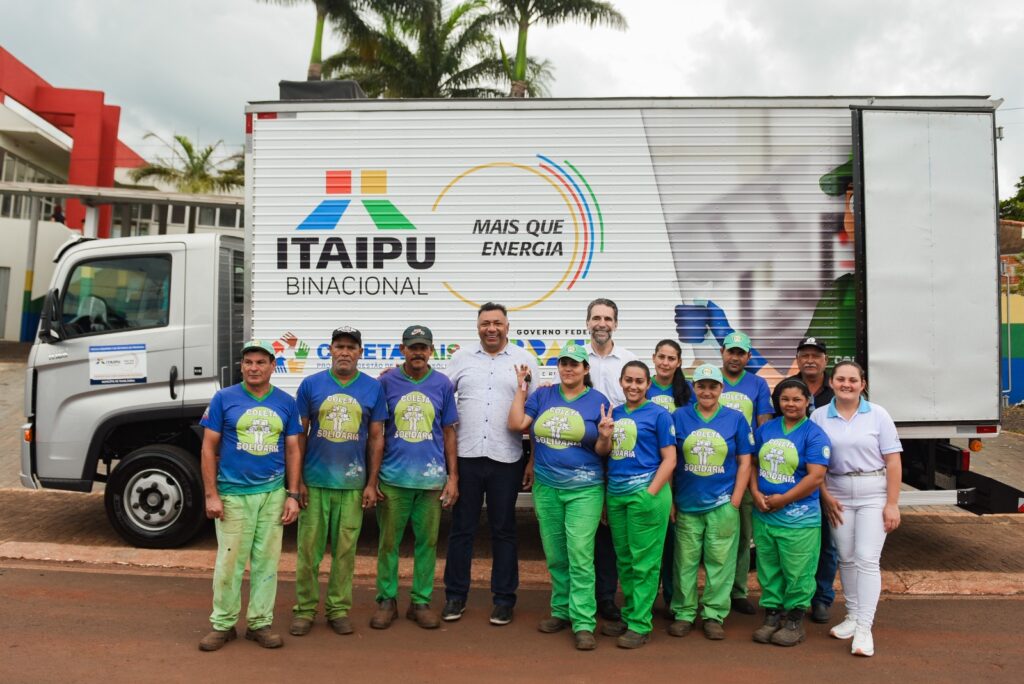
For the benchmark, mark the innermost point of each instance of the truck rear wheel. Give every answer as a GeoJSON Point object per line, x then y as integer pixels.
{"type": "Point", "coordinates": [154, 497]}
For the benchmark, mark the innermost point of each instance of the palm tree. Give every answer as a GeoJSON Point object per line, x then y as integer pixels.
{"type": "Point", "coordinates": [522, 14]}
{"type": "Point", "coordinates": [192, 171]}
{"type": "Point", "coordinates": [422, 50]}
{"type": "Point", "coordinates": [345, 13]}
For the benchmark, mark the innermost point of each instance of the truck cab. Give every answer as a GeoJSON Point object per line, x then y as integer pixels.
{"type": "Point", "coordinates": [135, 337]}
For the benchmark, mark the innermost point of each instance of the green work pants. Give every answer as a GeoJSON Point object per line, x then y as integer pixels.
{"type": "Point", "coordinates": [568, 520]}
{"type": "Point", "coordinates": [638, 522]}
{"type": "Point", "coordinates": [713, 533]}
{"type": "Point", "coordinates": [739, 586]}
{"type": "Point", "coordinates": [334, 515]}
{"type": "Point", "coordinates": [400, 506]}
{"type": "Point", "coordinates": [787, 558]}
{"type": "Point", "coordinates": [250, 531]}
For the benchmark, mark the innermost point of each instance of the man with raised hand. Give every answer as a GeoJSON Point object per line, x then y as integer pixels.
{"type": "Point", "coordinates": [606, 359]}
{"type": "Point", "coordinates": [747, 393]}
{"type": "Point", "coordinates": [342, 413]}
{"type": "Point", "coordinates": [418, 475]}
{"type": "Point", "coordinates": [250, 448]}
{"type": "Point", "coordinates": [491, 463]}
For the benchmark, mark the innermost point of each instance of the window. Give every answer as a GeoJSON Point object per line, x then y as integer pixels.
{"type": "Point", "coordinates": [178, 214]}
{"type": "Point", "coordinates": [207, 216]}
{"type": "Point", "coordinates": [106, 295]}
{"type": "Point", "coordinates": [226, 219]}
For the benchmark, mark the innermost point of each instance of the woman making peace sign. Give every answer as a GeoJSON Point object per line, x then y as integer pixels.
{"type": "Point", "coordinates": [571, 427]}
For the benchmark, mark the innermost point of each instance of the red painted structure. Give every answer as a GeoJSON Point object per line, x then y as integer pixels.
{"type": "Point", "coordinates": [90, 123]}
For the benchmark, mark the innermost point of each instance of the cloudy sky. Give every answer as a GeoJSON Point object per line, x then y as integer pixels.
{"type": "Point", "coordinates": [189, 66]}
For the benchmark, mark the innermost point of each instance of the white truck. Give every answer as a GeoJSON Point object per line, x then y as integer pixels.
{"type": "Point", "coordinates": [867, 222]}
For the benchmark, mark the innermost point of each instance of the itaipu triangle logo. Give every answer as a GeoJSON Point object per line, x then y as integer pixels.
{"type": "Point", "coordinates": [585, 225]}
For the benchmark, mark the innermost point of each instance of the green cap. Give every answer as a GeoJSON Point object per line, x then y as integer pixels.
{"type": "Point", "coordinates": [574, 352]}
{"type": "Point", "coordinates": [259, 345]}
{"type": "Point", "coordinates": [417, 334]}
{"type": "Point", "coordinates": [736, 340]}
{"type": "Point", "coordinates": [836, 181]}
{"type": "Point", "coordinates": [706, 371]}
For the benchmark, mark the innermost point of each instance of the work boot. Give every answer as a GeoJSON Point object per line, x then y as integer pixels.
{"type": "Point", "coordinates": [772, 620]}
{"type": "Point", "coordinates": [614, 628]}
{"type": "Point", "coordinates": [453, 610]}
{"type": "Point", "coordinates": [422, 615]}
{"type": "Point", "coordinates": [341, 625]}
{"type": "Point", "coordinates": [585, 640]}
{"type": "Point", "coordinates": [713, 630]}
{"type": "Point", "coordinates": [680, 628]}
{"type": "Point", "coordinates": [791, 632]}
{"type": "Point", "coordinates": [216, 639]}
{"type": "Point", "coordinates": [550, 625]}
{"type": "Point", "coordinates": [632, 639]}
{"type": "Point", "coordinates": [742, 604]}
{"type": "Point", "coordinates": [387, 611]}
{"type": "Point", "coordinates": [300, 626]}
{"type": "Point", "coordinates": [264, 637]}
{"type": "Point", "coordinates": [819, 613]}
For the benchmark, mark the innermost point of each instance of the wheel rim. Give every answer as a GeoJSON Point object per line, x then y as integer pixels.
{"type": "Point", "coordinates": [152, 499]}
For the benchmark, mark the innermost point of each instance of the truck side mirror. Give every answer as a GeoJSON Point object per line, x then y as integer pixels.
{"type": "Point", "coordinates": [49, 321]}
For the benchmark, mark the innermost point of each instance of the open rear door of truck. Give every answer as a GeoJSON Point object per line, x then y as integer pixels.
{"type": "Point", "coordinates": [927, 265]}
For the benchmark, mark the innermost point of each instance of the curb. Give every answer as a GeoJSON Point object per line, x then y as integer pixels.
{"type": "Point", "coordinates": [533, 573]}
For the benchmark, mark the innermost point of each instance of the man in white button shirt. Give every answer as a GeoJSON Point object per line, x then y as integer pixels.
{"type": "Point", "coordinates": [491, 463]}
{"type": "Point", "coordinates": [606, 362]}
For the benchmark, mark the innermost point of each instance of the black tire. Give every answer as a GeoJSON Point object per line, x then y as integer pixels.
{"type": "Point", "coordinates": [154, 497]}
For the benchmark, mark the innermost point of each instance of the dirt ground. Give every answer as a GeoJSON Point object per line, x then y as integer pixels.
{"type": "Point", "coordinates": [1013, 419]}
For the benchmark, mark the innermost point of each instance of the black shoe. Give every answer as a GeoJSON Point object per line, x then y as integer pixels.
{"type": "Point", "coordinates": [609, 611]}
{"type": "Point", "coordinates": [819, 613]}
{"type": "Point", "coordinates": [743, 605]}
{"type": "Point", "coordinates": [453, 610]}
{"type": "Point", "coordinates": [614, 628]}
{"type": "Point", "coordinates": [501, 615]}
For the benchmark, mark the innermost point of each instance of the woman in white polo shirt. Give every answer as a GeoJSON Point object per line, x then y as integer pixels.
{"type": "Point", "coordinates": [860, 496]}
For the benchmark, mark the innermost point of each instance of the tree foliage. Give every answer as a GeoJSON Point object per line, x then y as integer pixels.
{"type": "Point", "coordinates": [193, 171]}
{"type": "Point", "coordinates": [1012, 208]}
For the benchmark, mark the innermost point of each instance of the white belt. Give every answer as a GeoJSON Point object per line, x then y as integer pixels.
{"type": "Point", "coordinates": [861, 473]}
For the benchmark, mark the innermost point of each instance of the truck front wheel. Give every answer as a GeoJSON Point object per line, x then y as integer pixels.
{"type": "Point", "coordinates": [154, 497]}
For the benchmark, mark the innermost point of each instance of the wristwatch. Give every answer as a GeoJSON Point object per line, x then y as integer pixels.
{"type": "Point", "coordinates": [293, 495]}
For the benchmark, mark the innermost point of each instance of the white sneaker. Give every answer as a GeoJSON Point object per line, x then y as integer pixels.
{"type": "Point", "coordinates": [863, 644]}
{"type": "Point", "coordinates": [845, 629]}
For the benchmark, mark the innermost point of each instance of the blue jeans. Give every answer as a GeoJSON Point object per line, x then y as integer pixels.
{"type": "Point", "coordinates": [500, 484]}
{"type": "Point", "coordinates": [828, 563]}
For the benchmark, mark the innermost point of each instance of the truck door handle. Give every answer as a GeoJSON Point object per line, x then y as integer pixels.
{"type": "Point", "coordinates": [174, 379]}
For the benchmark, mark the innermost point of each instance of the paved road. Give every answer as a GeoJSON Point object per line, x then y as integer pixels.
{"type": "Point", "coordinates": [60, 626]}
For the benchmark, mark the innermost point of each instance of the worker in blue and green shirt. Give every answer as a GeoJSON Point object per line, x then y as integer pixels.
{"type": "Point", "coordinates": [747, 393]}
{"type": "Point", "coordinates": [792, 454]}
{"type": "Point", "coordinates": [250, 450]}
{"type": "Point", "coordinates": [711, 475]}
{"type": "Point", "coordinates": [639, 500]}
{"type": "Point", "coordinates": [342, 413]}
{"type": "Point", "coordinates": [418, 475]}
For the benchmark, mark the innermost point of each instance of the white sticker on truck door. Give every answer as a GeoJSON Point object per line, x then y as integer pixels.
{"type": "Point", "coordinates": [117, 364]}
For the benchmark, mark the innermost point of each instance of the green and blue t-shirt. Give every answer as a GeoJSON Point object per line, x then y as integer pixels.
{"type": "Point", "coordinates": [418, 412]}
{"type": "Point", "coordinates": [564, 434]}
{"type": "Point", "coordinates": [339, 415]}
{"type": "Point", "coordinates": [665, 397]}
{"type": "Point", "coordinates": [706, 472]}
{"type": "Point", "coordinates": [749, 395]}
{"type": "Point", "coordinates": [637, 441]}
{"type": "Point", "coordinates": [252, 432]}
{"type": "Point", "coordinates": [782, 458]}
